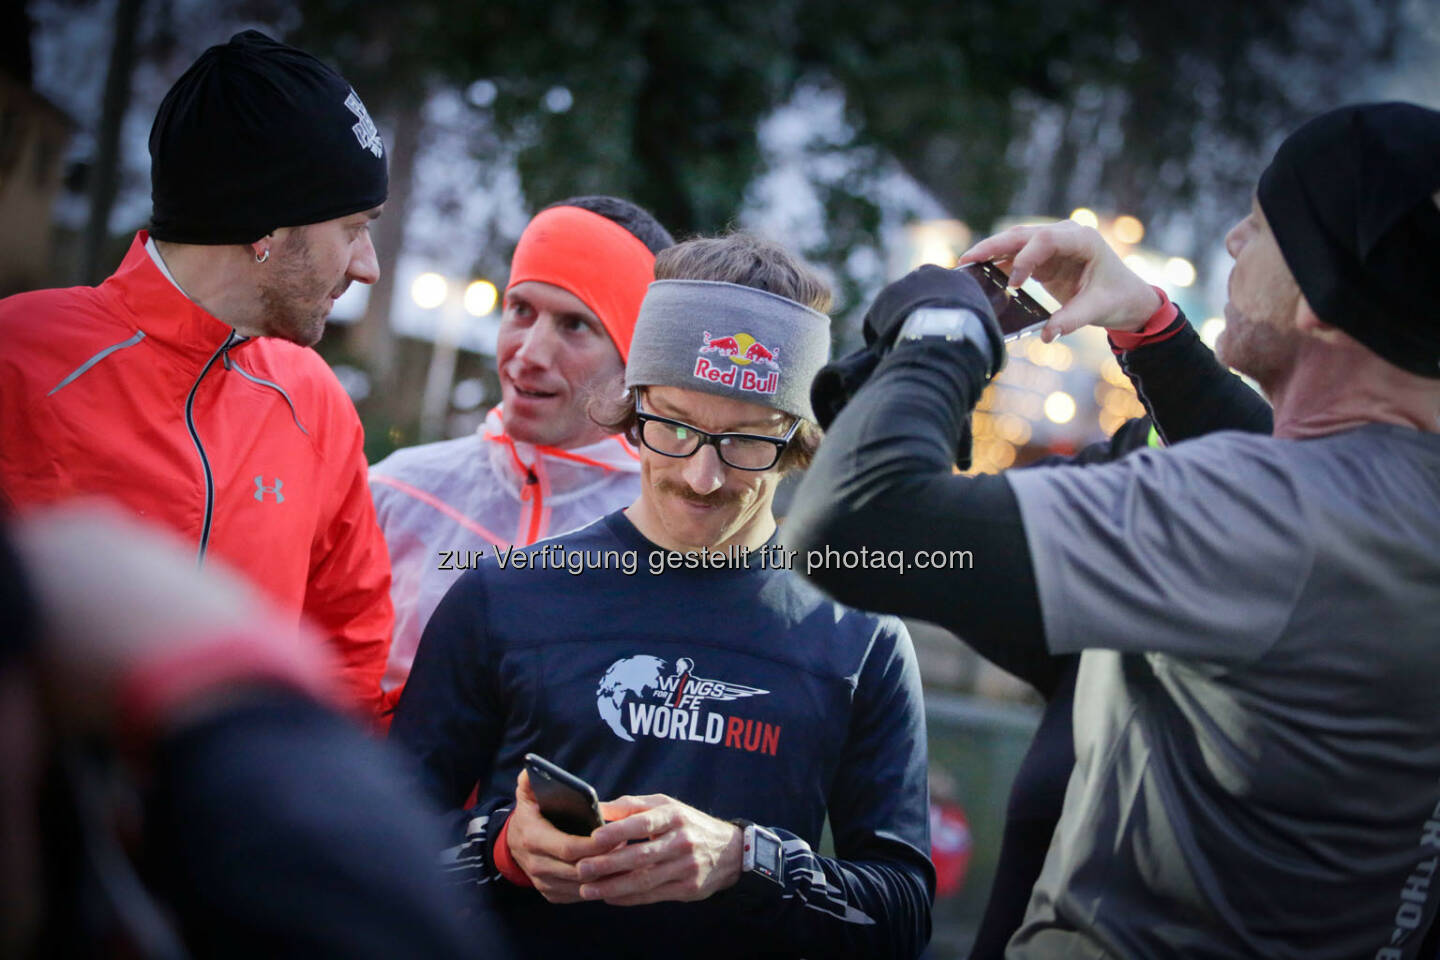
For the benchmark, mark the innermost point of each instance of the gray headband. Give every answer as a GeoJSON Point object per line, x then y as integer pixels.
{"type": "Point", "coordinates": [730, 340]}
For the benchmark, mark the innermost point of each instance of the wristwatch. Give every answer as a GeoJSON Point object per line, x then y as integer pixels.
{"type": "Point", "coordinates": [948, 323]}
{"type": "Point", "coordinates": [762, 864]}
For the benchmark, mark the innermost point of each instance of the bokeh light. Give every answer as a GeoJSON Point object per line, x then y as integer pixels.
{"type": "Point", "coordinates": [1060, 407]}
{"type": "Point", "coordinates": [428, 291]}
{"type": "Point", "coordinates": [1179, 271]}
{"type": "Point", "coordinates": [480, 298]}
{"type": "Point", "coordinates": [1128, 229]}
{"type": "Point", "coordinates": [1211, 329]}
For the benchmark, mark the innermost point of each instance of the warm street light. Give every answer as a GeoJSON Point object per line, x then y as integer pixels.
{"type": "Point", "coordinates": [937, 241]}
{"type": "Point", "coordinates": [480, 298]}
{"type": "Point", "coordinates": [1211, 329]}
{"type": "Point", "coordinates": [1179, 271]}
{"type": "Point", "coordinates": [1128, 229]}
{"type": "Point", "coordinates": [1085, 217]}
{"type": "Point", "coordinates": [1060, 407]}
{"type": "Point", "coordinates": [428, 291]}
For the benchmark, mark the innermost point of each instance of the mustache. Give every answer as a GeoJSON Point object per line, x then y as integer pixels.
{"type": "Point", "coordinates": [719, 498]}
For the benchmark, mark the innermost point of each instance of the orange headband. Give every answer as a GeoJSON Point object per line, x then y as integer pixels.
{"type": "Point", "coordinates": [594, 258]}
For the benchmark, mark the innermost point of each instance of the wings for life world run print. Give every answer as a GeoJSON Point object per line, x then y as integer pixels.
{"type": "Point", "coordinates": [646, 696]}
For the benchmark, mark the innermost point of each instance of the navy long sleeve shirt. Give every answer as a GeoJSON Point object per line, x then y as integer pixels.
{"type": "Point", "coordinates": [742, 691]}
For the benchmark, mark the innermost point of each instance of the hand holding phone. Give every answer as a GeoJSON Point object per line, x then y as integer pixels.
{"type": "Point", "coordinates": [1078, 269]}
{"type": "Point", "coordinates": [1016, 311]}
{"type": "Point", "coordinates": [568, 802]}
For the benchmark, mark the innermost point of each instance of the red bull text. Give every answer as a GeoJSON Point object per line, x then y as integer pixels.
{"type": "Point", "coordinates": [742, 350]}
{"type": "Point", "coordinates": [737, 377]}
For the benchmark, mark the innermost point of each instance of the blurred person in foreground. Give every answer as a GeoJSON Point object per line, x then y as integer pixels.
{"type": "Point", "coordinates": [184, 386]}
{"type": "Point", "coordinates": [176, 783]}
{"type": "Point", "coordinates": [1257, 741]}
{"type": "Point", "coordinates": [700, 682]}
{"type": "Point", "coordinates": [538, 466]}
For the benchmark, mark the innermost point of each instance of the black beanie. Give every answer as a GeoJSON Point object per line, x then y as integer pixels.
{"type": "Point", "coordinates": [1350, 197]}
{"type": "Point", "coordinates": [257, 135]}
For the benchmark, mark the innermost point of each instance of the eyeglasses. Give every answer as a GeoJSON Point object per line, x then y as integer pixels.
{"type": "Point", "coordinates": [743, 451]}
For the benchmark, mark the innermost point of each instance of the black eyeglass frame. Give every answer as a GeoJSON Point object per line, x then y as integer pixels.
{"type": "Point", "coordinates": [713, 439]}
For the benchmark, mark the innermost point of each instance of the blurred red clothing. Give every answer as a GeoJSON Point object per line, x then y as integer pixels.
{"type": "Point", "coordinates": [949, 846]}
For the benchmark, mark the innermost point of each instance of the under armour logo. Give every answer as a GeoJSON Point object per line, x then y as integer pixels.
{"type": "Point", "coordinates": [364, 130]}
{"type": "Point", "coordinates": [261, 490]}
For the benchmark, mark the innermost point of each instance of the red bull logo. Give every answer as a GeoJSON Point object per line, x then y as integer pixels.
{"type": "Point", "coordinates": [742, 350]}
{"type": "Point", "coordinates": [726, 345]}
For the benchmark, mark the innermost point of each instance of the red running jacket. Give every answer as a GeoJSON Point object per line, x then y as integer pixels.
{"type": "Point", "coordinates": [249, 448]}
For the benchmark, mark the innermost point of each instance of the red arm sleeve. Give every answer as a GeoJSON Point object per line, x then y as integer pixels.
{"type": "Point", "coordinates": [348, 593]}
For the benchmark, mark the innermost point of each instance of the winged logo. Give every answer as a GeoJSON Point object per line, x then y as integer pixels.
{"type": "Point", "coordinates": [703, 688]}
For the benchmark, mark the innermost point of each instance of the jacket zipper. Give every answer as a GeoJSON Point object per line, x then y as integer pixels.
{"type": "Point", "coordinates": [200, 449]}
{"type": "Point", "coordinates": [532, 494]}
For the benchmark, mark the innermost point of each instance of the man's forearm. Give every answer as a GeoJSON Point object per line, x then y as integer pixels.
{"type": "Point", "coordinates": [843, 908]}
{"type": "Point", "coordinates": [883, 481]}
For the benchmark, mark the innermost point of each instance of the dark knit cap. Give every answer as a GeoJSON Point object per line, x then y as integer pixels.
{"type": "Point", "coordinates": [1350, 197]}
{"type": "Point", "coordinates": [257, 135]}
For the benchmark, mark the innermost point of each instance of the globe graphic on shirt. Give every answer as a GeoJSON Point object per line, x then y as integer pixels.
{"type": "Point", "coordinates": [628, 676]}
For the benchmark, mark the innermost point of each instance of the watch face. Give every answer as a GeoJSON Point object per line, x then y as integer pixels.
{"type": "Point", "coordinates": [767, 851]}
{"type": "Point", "coordinates": [949, 323]}
{"type": "Point", "coordinates": [936, 322]}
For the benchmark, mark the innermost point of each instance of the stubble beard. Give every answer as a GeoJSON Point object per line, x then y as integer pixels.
{"type": "Point", "coordinates": [287, 308]}
{"type": "Point", "coordinates": [1262, 351]}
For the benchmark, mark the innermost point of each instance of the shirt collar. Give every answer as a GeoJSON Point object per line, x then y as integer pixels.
{"type": "Point", "coordinates": [611, 454]}
{"type": "Point", "coordinates": [154, 251]}
{"type": "Point", "coordinates": [159, 307]}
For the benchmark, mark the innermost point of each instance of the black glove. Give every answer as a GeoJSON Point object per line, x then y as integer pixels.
{"type": "Point", "coordinates": [840, 380]}
{"type": "Point", "coordinates": [927, 286]}
{"type": "Point", "coordinates": [930, 286]}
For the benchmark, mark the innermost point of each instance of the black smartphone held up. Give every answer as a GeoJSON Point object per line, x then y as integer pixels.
{"type": "Point", "coordinates": [1017, 312]}
{"type": "Point", "coordinates": [567, 801]}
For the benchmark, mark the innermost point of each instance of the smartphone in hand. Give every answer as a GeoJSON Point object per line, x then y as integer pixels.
{"type": "Point", "coordinates": [1016, 311]}
{"type": "Point", "coordinates": [566, 801]}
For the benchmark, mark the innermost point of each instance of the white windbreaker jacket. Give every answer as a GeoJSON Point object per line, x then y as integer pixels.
{"type": "Point", "coordinates": [444, 506]}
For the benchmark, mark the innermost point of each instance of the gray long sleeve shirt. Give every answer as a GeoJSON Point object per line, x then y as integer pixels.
{"type": "Point", "coordinates": [1257, 721]}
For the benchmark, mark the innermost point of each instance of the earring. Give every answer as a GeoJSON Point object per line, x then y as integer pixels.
{"type": "Point", "coordinates": [262, 257]}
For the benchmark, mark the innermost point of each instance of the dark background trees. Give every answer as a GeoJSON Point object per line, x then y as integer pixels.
{"type": "Point", "coordinates": [1164, 111]}
{"type": "Point", "coordinates": [667, 96]}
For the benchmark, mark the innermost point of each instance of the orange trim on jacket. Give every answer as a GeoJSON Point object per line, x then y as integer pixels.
{"type": "Point", "coordinates": [248, 448]}
{"type": "Point", "coordinates": [534, 524]}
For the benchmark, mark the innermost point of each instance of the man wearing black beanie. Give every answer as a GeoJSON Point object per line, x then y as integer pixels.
{"type": "Point", "coordinates": [183, 386]}
{"type": "Point", "coordinates": [1257, 737]}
